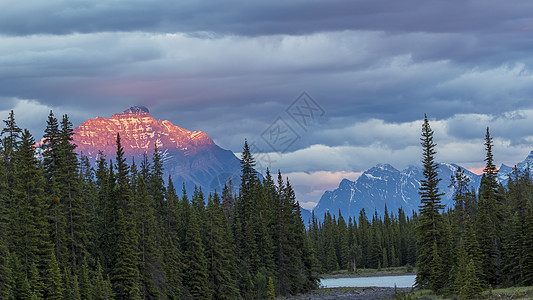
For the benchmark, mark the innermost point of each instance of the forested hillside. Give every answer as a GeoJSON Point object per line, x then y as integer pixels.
{"type": "Point", "coordinates": [119, 231]}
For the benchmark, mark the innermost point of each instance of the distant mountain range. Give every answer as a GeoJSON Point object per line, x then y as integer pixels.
{"type": "Point", "coordinates": [190, 157]}
{"type": "Point", "coordinates": [385, 185]}
{"type": "Point", "coordinates": [193, 159]}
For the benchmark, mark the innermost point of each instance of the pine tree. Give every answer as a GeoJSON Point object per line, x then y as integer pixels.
{"type": "Point", "coordinates": [512, 254]}
{"type": "Point", "coordinates": [342, 249]}
{"type": "Point", "coordinates": [157, 185]}
{"type": "Point", "coordinates": [472, 248]}
{"type": "Point", "coordinates": [52, 167]}
{"type": "Point", "coordinates": [50, 143]}
{"type": "Point", "coordinates": [196, 276]}
{"type": "Point", "coordinates": [125, 273]}
{"type": "Point", "coordinates": [85, 285]}
{"type": "Point", "coordinates": [36, 281]}
{"type": "Point", "coordinates": [244, 222]}
{"type": "Point", "coordinates": [430, 223]}
{"type": "Point", "coordinates": [126, 277]}
{"type": "Point", "coordinates": [69, 183]}
{"type": "Point", "coordinates": [54, 280]}
{"type": "Point", "coordinates": [490, 218]}
{"type": "Point", "coordinates": [149, 255]}
{"type": "Point", "coordinates": [471, 287]}
{"type": "Point", "coordinates": [220, 252]}
{"type": "Point", "coordinates": [72, 290]}
{"type": "Point", "coordinates": [172, 256]}
{"type": "Point", "coordinates": [13, 133]}
{"type": "Point", "coordinates": [25, 291]}
{"type": "Point", "coordinates": [173, 268]}
{"type": "Point", "coordinates": [6, 284]}
{"type": "Point", "coordinates": [527, 263]}
{"type": "Point", "coordinates": [102, 287]}
{"type": "Point", "coordinates": [29, 221]}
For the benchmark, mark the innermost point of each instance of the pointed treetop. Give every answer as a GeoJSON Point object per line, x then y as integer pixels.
{"type": "Point", "coordinates": [490, 168]}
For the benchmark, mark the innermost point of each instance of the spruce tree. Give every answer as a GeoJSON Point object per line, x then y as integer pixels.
{"type": "Point", "coordinates": [85, 285]}
{"type": "Point", "coordinates": [172, 256]}
{"type": "Point", "coordinates": [29, 229]}
{"type": "Point", "coordinates": [69, 183]}
{"type": "Point", "coordinates": [125, 273]}
{"type": "Point", "coordinates": [471, 287]}
{"type": "Point", "coordinates": [245, 222]}
{"type": "Point", "coordinates": [12, 134]}
{"type": "Point", "coordinates": [430, 223]}
{"type": "Point", "coordinates": [490, 218]}
{"type": "Point", "coordinates": [220, 252]}
{"type": "Point", "coordinates": [6, 284]}
{"type": "Point", "coordinates": [157, 185]}
{"type": "Point", "coordinates": [196, 276]}
{"type": "Point", "coordinates": [54, 286]}
{"type": "Point", "coordinates": [527, 263]}
{"type": "Point", "coordinates": [125, 276]}
{"type": "Point", "coordinates": [512, 254]}
{"type": "Point", "coordinates": [149, 255]}
{"type": "Point", "coordinates": [101, 284]}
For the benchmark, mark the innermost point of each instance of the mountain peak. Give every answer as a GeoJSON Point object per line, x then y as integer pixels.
{"type": "Point", "coordinates": [136, 109]}
{"type": "Point", "coordinates": [191, 157]}
{"type": "Point", "coordinates": [133, 112]}
{"type": "Point", "coordinates": [345, 183]}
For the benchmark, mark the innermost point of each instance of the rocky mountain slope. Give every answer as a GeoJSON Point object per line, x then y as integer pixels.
{"type": "Point", "coordinates": [190, 157]}
{"type": "Point", "coordinates": [385, 185]}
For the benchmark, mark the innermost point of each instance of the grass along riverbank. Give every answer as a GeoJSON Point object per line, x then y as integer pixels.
{"type": "Point", "coordinates": [522, 292]}
{"type": "Point", "coordinates": [393, 271]}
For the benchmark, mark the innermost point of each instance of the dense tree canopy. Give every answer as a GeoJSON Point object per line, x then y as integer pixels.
{"type": "Point", "coordinates": [69, 230]}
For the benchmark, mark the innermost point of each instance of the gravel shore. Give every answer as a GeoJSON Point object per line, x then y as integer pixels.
{"type": "Point", "coordinates": [367, 293]}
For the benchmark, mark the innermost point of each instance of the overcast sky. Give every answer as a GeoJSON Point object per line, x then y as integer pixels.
{"type": "Point", "coordinates": [235, 69]}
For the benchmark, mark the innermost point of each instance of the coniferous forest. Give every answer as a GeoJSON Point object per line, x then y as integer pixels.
{"type": "Point", "coordinates": [119, 230]}
{"type": "Point", "coordinates": [484, 241]}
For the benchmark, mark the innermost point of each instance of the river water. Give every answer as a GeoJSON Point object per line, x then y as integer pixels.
{"type": "Point", "coordinates": [379, 281]}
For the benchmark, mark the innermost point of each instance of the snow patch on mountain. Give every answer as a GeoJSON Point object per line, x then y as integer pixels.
{"type": "Point", "coordinates": [385, 185]}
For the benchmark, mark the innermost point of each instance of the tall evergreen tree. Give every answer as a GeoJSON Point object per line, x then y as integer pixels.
{"type": "Point", "coordinates": [430, 223]}
{"type": "Point", "coordinates": [11, 135]}
{"type": "Point", "coordinates": [54, 286]}
{"type": "Point", "coordinates": [149, 255]}
{"type": "Point", "coordinates": [527, 263]}
{"type": "Point", "coordinates": [30, 237]}
{"type": "Point", "coordinates": [220, 252]}
{"type": "Point", "coordinates": [69, 183]}
{"type": "Point", "coordinates": [125, 273]}
{"type": "Point", "coordinates": [490, 218]}
{"type": "Point", "coordinates": [196, 276]}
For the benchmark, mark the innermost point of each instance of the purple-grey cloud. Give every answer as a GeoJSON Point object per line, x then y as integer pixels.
{"type": "Point", "coordinates": [231, 69]}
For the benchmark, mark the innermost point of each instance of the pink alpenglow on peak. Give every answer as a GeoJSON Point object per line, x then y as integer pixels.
{"type": "Point", "coordinates": [139, 133]}
{"type": "Point", "coordinates": [190, 157]}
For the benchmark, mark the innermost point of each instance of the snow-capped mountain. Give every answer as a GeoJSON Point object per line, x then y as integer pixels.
{"type": "Point", "coordinates": [191, 157]}
{"type": "Point", "coordinates": [505, 171]}
{"type": "Point", "coordinates": [385, 185]}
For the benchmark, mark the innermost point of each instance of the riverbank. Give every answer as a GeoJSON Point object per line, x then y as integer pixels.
{"type": "Point", "coordinates": [356, 275]}
{"type": "Point", "coordinates": [364, 293]}
{"type": "Point", "coordinates": [396, 271]}
{"type": "Point", "coordinates": [523, 292]}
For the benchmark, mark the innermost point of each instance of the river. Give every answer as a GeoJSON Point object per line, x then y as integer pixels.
{"type": "Point", "coordinates": [378, 281]}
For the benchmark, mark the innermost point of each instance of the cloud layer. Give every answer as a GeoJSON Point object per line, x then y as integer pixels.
{"type": "Point", "coordinates": [232, 69]}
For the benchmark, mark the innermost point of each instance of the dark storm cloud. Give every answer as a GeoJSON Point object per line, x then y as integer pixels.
{"type": "Point", "coordinates": [262, 17]}
{"type": "Point", "coordinates": [231, 69]}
